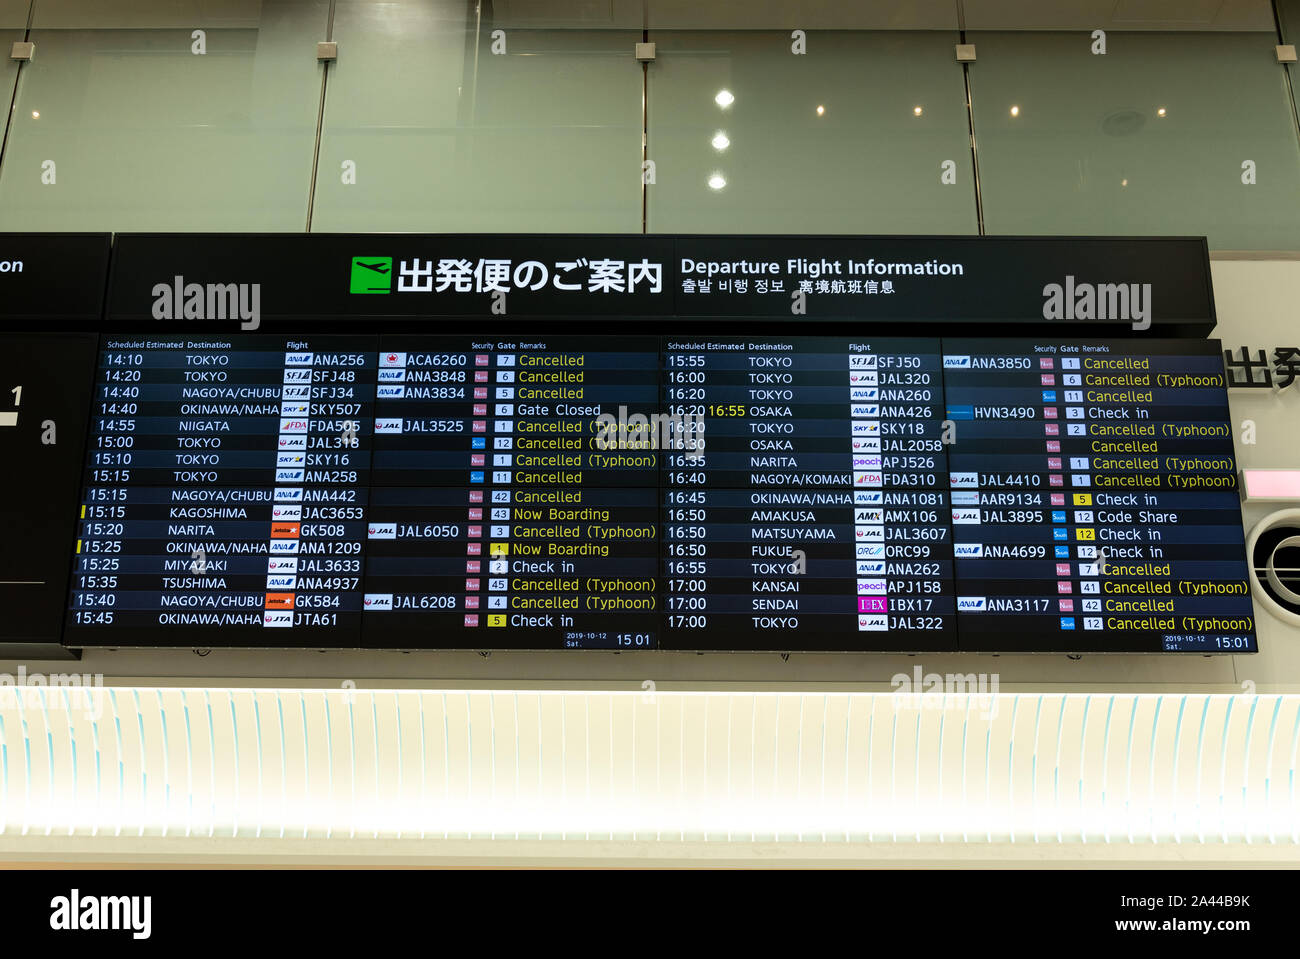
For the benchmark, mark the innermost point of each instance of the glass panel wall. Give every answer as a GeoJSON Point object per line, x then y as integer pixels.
{"type": "Point", "coordinates": [13, 24]}
{"type": "Point", "coordinates": [440, 119]}
{"type": "Point", "coordinates": [861, 133]}
{"type": "Point", "coordinates": [1173, 133]}
{"type": "Point", "coordinates": [764, 116]}
{"type": "Point", "coordinates": [165, 116]}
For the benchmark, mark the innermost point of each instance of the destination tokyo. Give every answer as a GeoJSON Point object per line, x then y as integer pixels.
{"type": "Point", "coordinates": [816, 269]}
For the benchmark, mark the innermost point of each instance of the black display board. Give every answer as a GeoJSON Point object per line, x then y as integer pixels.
{"type": "Point", "coordinates": [661, 492]}
{"type": "Point", "coordinates": [977, 285]}
{"type": "Point", "coordinates": [624, 442]}
{"type": "Point", "coordinates": [45, 387]}
{"type": "Point", "coordinates": [53, 280]}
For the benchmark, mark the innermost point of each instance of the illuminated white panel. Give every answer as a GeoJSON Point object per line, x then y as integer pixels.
{"type": "Point", "coordinates": [1260, 485]}
{"type": "Point", "coordinates": [648, 767]}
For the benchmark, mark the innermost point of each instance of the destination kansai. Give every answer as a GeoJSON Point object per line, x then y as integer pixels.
{"type": "Point", "coordinates": [815, 269]}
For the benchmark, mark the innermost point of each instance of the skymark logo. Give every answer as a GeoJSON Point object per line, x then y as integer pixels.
{"type": "Point", "coordinates": [104, 913]}
{"type": "Point", "coordinates": [179, 300]}
{"type": "Point", "coordinates": [1130, 302]}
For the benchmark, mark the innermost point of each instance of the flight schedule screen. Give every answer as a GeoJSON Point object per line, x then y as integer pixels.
{"type": "Point", "coordinates": [659, 492]}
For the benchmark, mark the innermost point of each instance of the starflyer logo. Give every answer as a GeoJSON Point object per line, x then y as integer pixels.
{"type": "Point", "coordinates": [372, 274]}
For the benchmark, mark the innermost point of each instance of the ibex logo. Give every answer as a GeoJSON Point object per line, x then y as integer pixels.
{"type": "Point", "coordinates": [179, 300]}
{"type": "Point", "coordinates": [1130, 302]}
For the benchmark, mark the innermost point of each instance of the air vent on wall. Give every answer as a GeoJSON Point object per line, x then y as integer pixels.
{"type": "Point", "coordinates": [1274, 548]}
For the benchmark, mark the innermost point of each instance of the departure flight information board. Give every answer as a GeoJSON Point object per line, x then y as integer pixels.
{"type": "Point", "coordinates": [672, 492]}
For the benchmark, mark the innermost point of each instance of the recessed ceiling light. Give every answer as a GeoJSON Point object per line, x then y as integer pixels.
{"type": "Point", "coordinates": [717, 181]}
{"type": "Point", "coordinates": [1161, 112]}
{"type": "Point", "coordinates": [724, 98]}
{"type": "Point", "coordinates": [821, 110]}
{"type": "Point", "coordinates": [1123, 182]}
{"type": "Point", "coordinates": [1015, 111]}
{"type": "Point", "coordinates": [36, 114]}
{"type": "Point", "coordinates": [916, 111]}
{"type": "Point", "coordinates": [720, 141]}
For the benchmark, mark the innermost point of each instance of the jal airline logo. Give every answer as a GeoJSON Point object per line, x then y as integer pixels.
{"type": "Point", "coordinates": [968, 550]}
{"type": "Point", "coordinates": [861, 394]}
{"type": "Point", "coordinates": [390, 391]}
{"type": "Point", "coordinates": [869, 534]}
{"type": "Point", "coordinates": [389, 375]}
{"type": "Point", "coordinates": [972, 604]}
{"type": "Point", "coordinates": [298, 442]}
{"type": "Point", "coordinates": [281, 565]}
{"type": "Point", "coordinates": [179, 300]}
{"type": "Point", "coordinates": [288, 494]}
{"type": "Point", "coordinates": [378, 601]}
{"type": "Point", "coordinates": [274, 618]}
{"type": "Point", "coordinates": [388, 426]}
{"type": "Point", "coordinates": [956, 362]}
{"type": "Point", "coordinates": [866, 444]}
{"type": "Point", "coordinates": [392, 359]}
{"type": "Point", "coordinates": [964, 480]}
{"type": "Point", "coordinates": [382, 531]}
{"type": "Point", "coordinates": [966, 517]}
{"type": "Point", "coordinates": [869, 550]}
{"type": "Point", "coordinates": [861, 378]}
{"type": "Point", "coordinates": [286, 512]}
